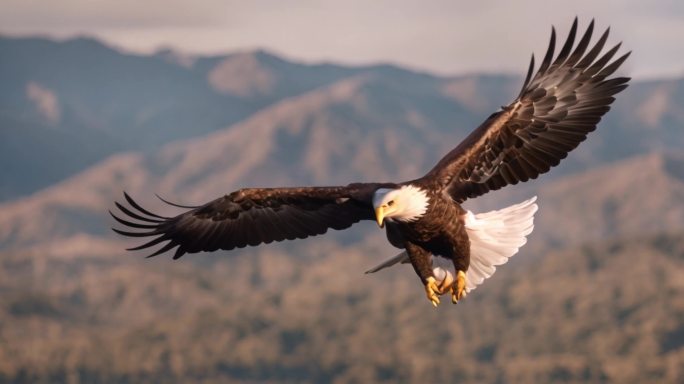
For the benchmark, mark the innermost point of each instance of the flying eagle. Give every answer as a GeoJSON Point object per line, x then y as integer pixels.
{"type": "Point", "coordinates": [555, 110]}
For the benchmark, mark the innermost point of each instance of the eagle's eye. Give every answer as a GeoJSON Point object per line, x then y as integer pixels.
{"type": "Point", "coordinates": [390, 203]}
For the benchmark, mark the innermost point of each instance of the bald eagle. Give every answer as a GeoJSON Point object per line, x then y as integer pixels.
{"type": "Point", "coordinates": [557, 107]}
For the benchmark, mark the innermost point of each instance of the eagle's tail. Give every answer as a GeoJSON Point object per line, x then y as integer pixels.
{"type": "Point", "coordinates": [494, 237]}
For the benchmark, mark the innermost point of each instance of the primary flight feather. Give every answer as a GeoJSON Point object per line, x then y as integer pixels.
{"type": "Point", "coordinates": [557, 107]}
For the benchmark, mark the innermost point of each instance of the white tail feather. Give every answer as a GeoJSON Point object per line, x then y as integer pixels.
{"type": "Point", "coordinates": [494, 237]}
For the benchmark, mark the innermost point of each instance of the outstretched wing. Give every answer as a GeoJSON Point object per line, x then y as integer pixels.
{"type": "Point", "coordinates": [554, 112]}
{"type": "Point", "coordinates": [250, 217]}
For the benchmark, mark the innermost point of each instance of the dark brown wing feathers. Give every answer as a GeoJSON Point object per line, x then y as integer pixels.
{"type": "Point", "coordinates": [554, 112]}
{"type": "Point", "coordinates": [249, 217]}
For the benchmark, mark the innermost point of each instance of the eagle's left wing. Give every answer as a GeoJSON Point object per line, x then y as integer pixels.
{"type": "Point", "coordinates": [250, 217]}
{"type": "Point", "coordinates": [555, 110]}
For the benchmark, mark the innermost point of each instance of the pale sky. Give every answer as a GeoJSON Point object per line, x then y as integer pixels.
{"type": "Point", "coordinates": [445, 37]}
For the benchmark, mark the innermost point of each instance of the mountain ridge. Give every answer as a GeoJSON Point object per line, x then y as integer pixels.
{"type": "Point", "coordinates": [113, 101]}
{"type": "Point", "coordinates": [94, 101]}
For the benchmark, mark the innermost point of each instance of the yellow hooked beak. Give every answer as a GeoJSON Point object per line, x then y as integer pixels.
{"type": "Point", "coordinates": [380, 215]}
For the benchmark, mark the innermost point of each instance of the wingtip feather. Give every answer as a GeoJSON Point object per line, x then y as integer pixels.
{"type": "Point", "coordinates": [174, 204]}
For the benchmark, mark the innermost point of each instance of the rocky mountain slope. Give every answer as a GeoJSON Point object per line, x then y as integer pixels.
{"type": "Point", "coordinates": [337, 134]}
{"type": "Point", "coordinates": [64, 106]}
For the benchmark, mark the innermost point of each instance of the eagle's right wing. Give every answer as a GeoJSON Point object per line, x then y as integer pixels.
{"type": "Point", "coordinates": [556, 109]}
{"type": "Point", "coordinates": [250, 217]}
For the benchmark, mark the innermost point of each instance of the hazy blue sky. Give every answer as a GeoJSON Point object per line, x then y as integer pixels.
{"type": "Point", "coordinates": [447, 37]}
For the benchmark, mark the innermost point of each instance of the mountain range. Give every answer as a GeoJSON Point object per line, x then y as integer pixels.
{"type": "Point", "coordinates": [66, 105]}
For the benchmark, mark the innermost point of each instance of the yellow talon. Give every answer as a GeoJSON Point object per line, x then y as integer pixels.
{"type": "Point", "coordinates": [458, 288]}
{"type": "Point", "coordinates": [432, 290]}
{"type": "Point", "coordinates": [446, 284]}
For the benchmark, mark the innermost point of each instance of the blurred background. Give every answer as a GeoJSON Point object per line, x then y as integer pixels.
{"type": "Point", "coordinates": [192, 101]}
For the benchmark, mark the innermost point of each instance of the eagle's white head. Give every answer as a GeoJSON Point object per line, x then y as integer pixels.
{"type": "Point", "coordinates": [408, 203]}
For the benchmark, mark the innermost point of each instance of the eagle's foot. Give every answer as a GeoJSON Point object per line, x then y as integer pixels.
{"type": "Point", "coordinates": [458, 287]}
{"type": "Point", "coordinates": [432, 290]}
{"type": "Point", "coordinates": [445, 285]}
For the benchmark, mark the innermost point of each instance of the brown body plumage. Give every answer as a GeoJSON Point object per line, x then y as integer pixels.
{"type": "Point", "coordinates": [425, 237]}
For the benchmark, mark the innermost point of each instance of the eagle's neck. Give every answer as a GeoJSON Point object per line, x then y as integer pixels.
{"type": "Point", "coordinates": [411, 202]}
